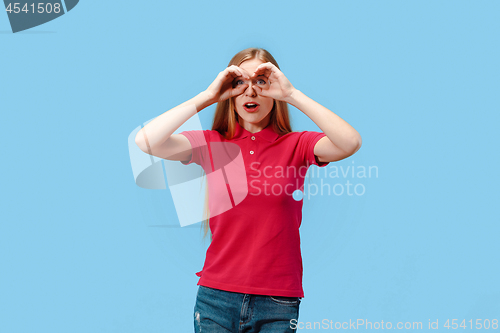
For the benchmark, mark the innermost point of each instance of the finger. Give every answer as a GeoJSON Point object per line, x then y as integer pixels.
{"type": "Point", "coordinates": [262, 71]}
{"type": "Point", "coordinates": [239, 75]}
{"type": "Point", "coordinates": [233, 71]}
{"type": "Point", "coordinates": [231, 75]}
{"type": "Point", "coordinates": [236, 91]}
{"type": "Point", "coordinates": [266, 73]}
{"type": "Point", "coordinates": [244, 72]}
{"type": "Point", "coordinates": [230, 71]}
{"type": "Point", "coordinates": [265, 69]}
{"type": "Point", "coordinates": [242, 87]}
{"type": "Point", "coordinates": [261, 92]}
{"type": "Point", "coordinates": [240, 90]}
{"type": "Point", "coordinates": [239, 71]}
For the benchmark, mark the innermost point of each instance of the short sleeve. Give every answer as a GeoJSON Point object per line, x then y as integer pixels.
{"type": "Point", "coordinates": [307, 141]}
{"type": "Point", "coordinates": [199, 148]}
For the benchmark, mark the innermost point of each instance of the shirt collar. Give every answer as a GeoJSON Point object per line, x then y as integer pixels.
{"type": "Point", "coordinates": [266, 133]}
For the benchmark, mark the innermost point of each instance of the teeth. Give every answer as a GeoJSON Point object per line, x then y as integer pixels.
{"type": "Point", "coordinates": [250, 104]}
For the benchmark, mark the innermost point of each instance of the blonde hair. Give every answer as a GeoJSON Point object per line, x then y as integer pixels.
{"type": "Point", "coordinates": [225, 117]}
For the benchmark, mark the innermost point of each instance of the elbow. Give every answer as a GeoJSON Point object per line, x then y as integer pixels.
{"type": "Point", "coordinates": [139, 141]}
{"type": "Point", "coordinates": [356, 144]}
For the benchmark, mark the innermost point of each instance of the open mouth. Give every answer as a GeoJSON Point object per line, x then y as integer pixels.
{"type": "Point", "coordinates": [251, 107]}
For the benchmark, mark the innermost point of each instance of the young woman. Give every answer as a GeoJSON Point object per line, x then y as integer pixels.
{"type": "Point", "coordinates": [252, 276]}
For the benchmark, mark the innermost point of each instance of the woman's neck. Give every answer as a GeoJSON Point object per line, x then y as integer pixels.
{"type": "Point", "coordinates": [255, 127]}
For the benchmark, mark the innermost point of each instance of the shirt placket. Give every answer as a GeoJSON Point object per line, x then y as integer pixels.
{"type": "Point", "coordinates": [253, 145]}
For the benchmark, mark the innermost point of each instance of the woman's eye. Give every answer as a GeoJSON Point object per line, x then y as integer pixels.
{"type": "Point", "coordinates": [261, 81]}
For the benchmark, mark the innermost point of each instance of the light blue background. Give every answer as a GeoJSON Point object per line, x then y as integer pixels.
{"type": "Point", "coordinates": [83, 249]}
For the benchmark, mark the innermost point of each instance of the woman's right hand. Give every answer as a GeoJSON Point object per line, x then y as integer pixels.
{"type": "Point", "coordinates": [223, 86]}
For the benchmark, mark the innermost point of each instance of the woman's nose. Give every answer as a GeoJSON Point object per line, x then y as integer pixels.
{"type": "Point", "coordinates": [250, 91]}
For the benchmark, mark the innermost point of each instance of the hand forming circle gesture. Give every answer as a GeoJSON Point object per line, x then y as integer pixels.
{"type": "Point", "coordinates": [279, 87]}
{"type": "Point", "coordinates": [222, 88]}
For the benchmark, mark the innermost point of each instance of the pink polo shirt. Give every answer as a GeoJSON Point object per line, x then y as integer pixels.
{"type": "Point", "coordinates": [255, 246]}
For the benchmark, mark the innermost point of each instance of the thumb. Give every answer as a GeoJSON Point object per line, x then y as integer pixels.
{"type": "Point", "coordinates": [261, 91]}
{"type": "Point", "coordinates": [239, 90]}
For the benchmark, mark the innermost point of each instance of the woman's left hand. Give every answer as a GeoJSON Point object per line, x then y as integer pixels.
{"type": "Point", "coordinates": [277, 87]}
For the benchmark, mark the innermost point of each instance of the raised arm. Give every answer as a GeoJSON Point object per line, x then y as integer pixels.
{"type": "Point", "coordinates": [341, 140]}
{"type": "Point", "coordinates": [157, 138]}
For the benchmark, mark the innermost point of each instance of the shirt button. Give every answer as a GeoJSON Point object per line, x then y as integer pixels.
{"type": "Point", "coordinates": [251, 151]}
{"type": "Point", "coordinates": [253, 137]}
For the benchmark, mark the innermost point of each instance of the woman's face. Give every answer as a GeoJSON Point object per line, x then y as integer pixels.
{"type": "Point", "coordinates": [258, 113]}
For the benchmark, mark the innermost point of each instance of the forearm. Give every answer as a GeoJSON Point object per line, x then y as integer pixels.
{"type": "Point", "coordinates": [340, 133]}
{"type": "Point", "coordinates": [162, 127]}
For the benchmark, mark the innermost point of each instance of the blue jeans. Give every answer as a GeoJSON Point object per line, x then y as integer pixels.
{"type": "Point", "coordinates": [229, 312]}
